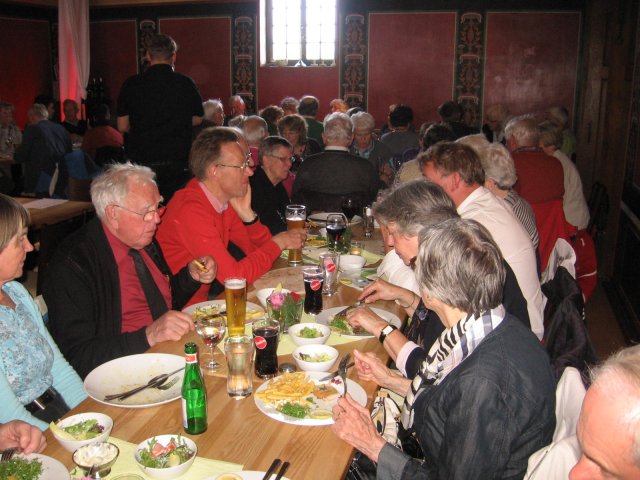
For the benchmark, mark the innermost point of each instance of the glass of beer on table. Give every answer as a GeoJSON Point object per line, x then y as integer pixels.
{"type": "Point", "coordinates": [235, 294]}
{"type": "Point", "coordinates": [296, 216]}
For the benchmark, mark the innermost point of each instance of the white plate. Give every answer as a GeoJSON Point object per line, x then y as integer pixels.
{"type": "Point", "coordinates": [52, 469]}
{"type": "Point", "coordinates": [355, 390]}
{"type": "Point", "coordinates": [253, 310]}
{"type": "Point", "coordinates": [323, 317]}
{"type": "Point", "coordinates": [316, 237]}
{"type": "Point", "coordinates": [322, 217]}
{"type": "Point", "coordinates": [125, 373]}
{"type": "Point", "coordinates": [247, 475]}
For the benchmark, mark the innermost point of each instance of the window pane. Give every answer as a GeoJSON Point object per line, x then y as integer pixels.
{"type": "Point", "coordinates": [293, 51]}
{"type": "Point", "coordinates": [328, 51]}
{"type": "Point", "coordinates": [294, 35]}
{"type": "Point", "coordinates": [313, 34]}
{"type": "Point", "coordinates": [279, 51]}
{"type": "Point", "coordinates": [313, 51]}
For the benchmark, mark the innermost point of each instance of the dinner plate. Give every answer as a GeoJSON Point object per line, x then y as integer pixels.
{"type": "Point", "coordinates": [52, 469]}
{"type": "Point", "coordinates": [318, 242]}
{"type": "Point", "coordinates": [322, 217]}
{"type": "Point", "coordinates": [324, 317]}
{"type": "Point", "coordinates": [253, 309]}
{"type": "Point", "coordinates": [246, 475]}
{"type": "Point", "coordinates": [128, 372]}
{"type": "Point", "coordinates": [355, 390]}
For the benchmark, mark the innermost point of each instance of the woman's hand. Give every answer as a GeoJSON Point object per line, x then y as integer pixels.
{"type": "Point", "coordinates": [353, 425]}
{"type": "Point", "coordinates": [371, 368]}
{"type": "Point", "coordinates": [364, 317]}
{"type": "Point", "coordinates": [206, 271]}
{"type": "Point", "coordinates": [19, 434]}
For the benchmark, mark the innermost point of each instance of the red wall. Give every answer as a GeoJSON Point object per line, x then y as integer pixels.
{"type": "Point", "coordinates": [25, 51]}
{"type": "Point", "coordinates": [204, 52]}
{"type": "Point", "coordinates": [275, 83]}
{"type": "Point", "coordinates": [531, 60]}
{"type": "Point", "coordinates": [113, 54]}
{"type": "Point", "coordinates": [411, 60]}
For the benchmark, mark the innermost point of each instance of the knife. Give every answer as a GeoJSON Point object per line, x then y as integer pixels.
{"type": "Point", "coordinates": [335, 374]}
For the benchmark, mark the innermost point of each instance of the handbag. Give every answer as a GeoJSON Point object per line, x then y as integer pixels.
{"type": "Point", "coordinates": [386, 418]}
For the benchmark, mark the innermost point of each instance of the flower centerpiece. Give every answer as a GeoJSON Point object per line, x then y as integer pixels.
{"type": "Point", "coordinates": [284, 307]}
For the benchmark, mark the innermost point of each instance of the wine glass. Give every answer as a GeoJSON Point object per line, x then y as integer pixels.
{"type": "Point", "coordinates": [336, 226]}
{"type": "Point", "coordinates": [350, 207]}
{"type": "Point", "coordinates": [212, 330]}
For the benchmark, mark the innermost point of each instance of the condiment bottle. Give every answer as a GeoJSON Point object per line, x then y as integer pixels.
{"type": "Point", "coordinates": [194, 395]}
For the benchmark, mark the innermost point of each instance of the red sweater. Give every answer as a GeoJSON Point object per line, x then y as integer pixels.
{"type": "Point", "coordinates": [191, 228]}
{"type": "Point", "coordinates": [540, 177]}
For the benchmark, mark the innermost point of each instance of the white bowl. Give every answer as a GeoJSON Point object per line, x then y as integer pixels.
{"type": "Point", "coordinates": [351, 263]}
{"type": "Point", "coordinates": [169, 472]}
{"type": "Point", "coordinates": [315, 350]}
{"type": "Point", "coordinates": [263, 293]}
{"type": "Point", "coordinates": [294, 331]}
{"type": "Point", "coordinates": [73, 445]}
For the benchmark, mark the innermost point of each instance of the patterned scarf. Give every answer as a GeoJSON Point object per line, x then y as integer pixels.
{"type": "Point", "coordinates": [452, 347]}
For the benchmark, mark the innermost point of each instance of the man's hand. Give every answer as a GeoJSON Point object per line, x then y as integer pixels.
{"type": "Point", "coordinates": [173, 325]}
{"type": "Point", "coordinates": [20, 434]}
{"type": "Point", "coordinates": [203, 269]}
{"type": "Point", "coordinates": [242, 206]}
{"type": "Point", "coordinates": [290, 239]}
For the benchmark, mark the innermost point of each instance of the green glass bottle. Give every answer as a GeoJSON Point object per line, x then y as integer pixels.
{"type": "Point", "coordinates": [194, 395]}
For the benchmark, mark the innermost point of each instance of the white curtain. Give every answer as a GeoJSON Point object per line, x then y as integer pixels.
{"type": "Point", "coordinates": [73, 48]}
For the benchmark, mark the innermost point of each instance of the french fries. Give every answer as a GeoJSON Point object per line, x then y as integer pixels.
{"type": "Point", "coordinates": [289, 387]}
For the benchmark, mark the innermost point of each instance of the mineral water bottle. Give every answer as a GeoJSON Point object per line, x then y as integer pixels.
{"type": "Point", "coordinates": [194, 395]}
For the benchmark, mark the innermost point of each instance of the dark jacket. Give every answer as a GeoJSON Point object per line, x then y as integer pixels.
{"type": "Point", "coordinates": [486, 417]}
{"type": "Point", "coordinates": [269, 201]}
{"type": "Point", "coordinates": [82, 293]}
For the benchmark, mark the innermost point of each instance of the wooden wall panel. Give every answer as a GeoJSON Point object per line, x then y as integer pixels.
{"type": "Point", "coordinates": [204, 52]}
{"type": "Point", "coordinates": [275, 83]}
{"type": "Point", "coordinates": [411, 61]}
{"type": "Point", "coordinates": [25, 51]}
{"type": "Point", "coordinates": [113, 54]}
{"type": "Point", "coordinates": [531, 60]}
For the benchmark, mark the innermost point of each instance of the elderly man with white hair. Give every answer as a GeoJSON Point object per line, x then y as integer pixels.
{"type": "Point", "coordinates": [325, 179]}
{"type": "Point", "coordinates": [609, 424]}
{"type": "Point", "coordinates": [365, 145]}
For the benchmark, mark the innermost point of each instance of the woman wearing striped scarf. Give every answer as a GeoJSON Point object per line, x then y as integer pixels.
{"type": "Point", "coordinates": [483, 400]}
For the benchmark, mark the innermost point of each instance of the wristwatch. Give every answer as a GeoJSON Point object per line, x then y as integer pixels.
{"type": "Point", "coordinates": [386, 331]}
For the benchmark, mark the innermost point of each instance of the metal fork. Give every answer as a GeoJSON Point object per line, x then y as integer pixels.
{"type": "Point", "coordinates": [8, 454]}
{"type": "Point", "coordinates": [342, 370]}
{"type": "Point", "coordinates": [168, 385]}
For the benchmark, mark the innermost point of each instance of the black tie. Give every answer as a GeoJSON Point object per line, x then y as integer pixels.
{"type": "Point", "coordinates": [152, 293]}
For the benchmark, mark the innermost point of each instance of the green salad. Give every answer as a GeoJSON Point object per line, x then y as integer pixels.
{"type": "Point", "coordinates": [318, 357]}
{"type": "Point", "coordinates": [294, 410]}
{"type": "Point", "coordinates": [156, 455]}
{"type": "Point", "coordinates": [84, 430]}
{"type": "Point", "coordinates": [307, 332]}
{"type": "Point", "coordinates": [21, 469]}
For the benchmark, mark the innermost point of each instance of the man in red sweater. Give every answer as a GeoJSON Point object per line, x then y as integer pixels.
{"type": "Point", "coordinates": [214, 209]}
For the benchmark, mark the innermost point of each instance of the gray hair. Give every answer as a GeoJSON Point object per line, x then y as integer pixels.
{"type": "Point", "coordinates": [363, 120]}
{"type": "Point", "coordinates": [476, 141]}
{"type": "Point", "coordinates": [498, 165]}
{"type": "Point", "coordinates": [338, 128]}
{"type": "Point", "coordinates": [112, 186]}
{"type": "Point", "coordinates": [414, 205]}
{"type": "Point", "coordinates": [211, 107]}
{"type": "Point", "coordinates": [619, 376]}
{"type": "Point", "coordinates": [39, 110]}
{"type": "Point", "coordinates": [559, 116]}
{"type": "Point", "coordinates": [459, 264]}
{"type": "Point", "coordinates": [524, 130]}
{"type": "Point", "coordinates": [550, 135]}
{"type": "Point", "coordinates": [13, 218]}
{"type": "Point", "coordinates": [255, 129]}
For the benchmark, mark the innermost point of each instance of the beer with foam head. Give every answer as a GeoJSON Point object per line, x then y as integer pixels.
{"type": "Point", "coordinates": [296, 216]}
{"type": "Point", "coordinates": [235, 293]}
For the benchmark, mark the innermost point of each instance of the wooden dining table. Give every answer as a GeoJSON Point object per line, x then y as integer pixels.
{"type": "Point", "coordinates": [238, 431]}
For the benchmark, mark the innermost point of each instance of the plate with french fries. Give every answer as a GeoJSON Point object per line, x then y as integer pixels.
{"type": "Point", "coordinates": [300, 398]}
{"type": "Point", "coordinates": [214, 307]}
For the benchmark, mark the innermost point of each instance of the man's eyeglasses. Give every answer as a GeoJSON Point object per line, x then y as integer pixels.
{"type": "Point", "coordinates": [247, 163]}
{"type": "Point", "coordinates": [149, 215]}
{"type": "Point", "coordinates": [283, 159]}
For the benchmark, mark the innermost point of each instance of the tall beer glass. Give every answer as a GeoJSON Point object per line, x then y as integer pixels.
{"type": "Point", "coordinates": [296, 216]}
{"type": "Point", "coordinates": [235, 293]}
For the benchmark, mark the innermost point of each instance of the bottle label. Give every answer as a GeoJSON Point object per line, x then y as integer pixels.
{"type": "Point", "coordinates": [315, 285]}
{"type": "Point", "coordinates": [260, 342]}
{"type": "Point", "coordinates": [329, 265]}
{"type": "Point", "coordinates": [184, 413]}
{"type": "Point", "coordinates": [191, 357]}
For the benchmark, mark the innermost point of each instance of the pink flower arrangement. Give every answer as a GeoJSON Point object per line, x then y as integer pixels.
{"type": "Point", "coordinates": [284, 307]}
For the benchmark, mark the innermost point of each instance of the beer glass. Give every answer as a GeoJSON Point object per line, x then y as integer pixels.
{"type": "Point", "coordinates": [296, 216]}
{"type": "Point", "coordinates": [235, 294]}
{"type": "Point", "coordinates": [239, 353]}
{"type": "Point", "coordinates": [330, 262]}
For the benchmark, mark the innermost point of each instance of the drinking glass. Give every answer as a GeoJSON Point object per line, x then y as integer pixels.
{"type": "Point", "coordinates": [350, 207]}
{"type": "Point", "coordinates": [235, 293]}
{"type": "Point", "coordinates": [239, 353]}
{"type": "Point", "coordinates": [296, 216]}
{"type": "Point", "coordinates": [367, 221]}
{"type": "Point", "coordinates": [336, 226]}
{"type": "Point", "coordinates": [330, 263]}
{"type": "Point", "coordinates": [212, 330]}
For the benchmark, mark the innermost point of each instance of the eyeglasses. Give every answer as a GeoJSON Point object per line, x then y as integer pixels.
{"type": "Point", "coordinates": [283, 159]}
{"type": "Point", "coordinates": [149, 215]}
{"type": "Point", "coordinates": [247, 163]}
